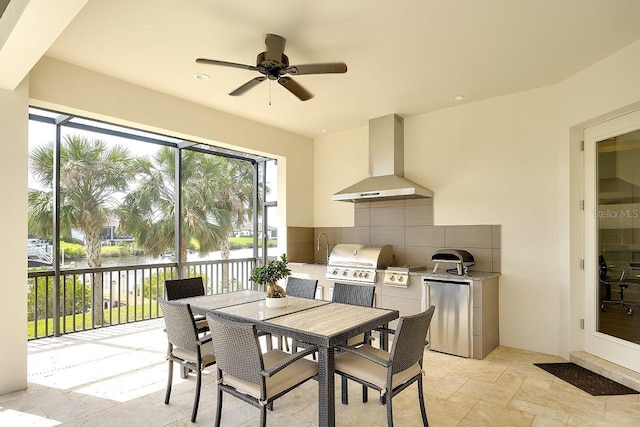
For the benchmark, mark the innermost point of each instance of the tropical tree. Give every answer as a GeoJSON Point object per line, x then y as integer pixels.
{"type": "Point", "coordinates": [92, 176]}
{"type": "Point", "coordinates": [216, 198]}
{"type": "Point", "coordinates": [234, 202]}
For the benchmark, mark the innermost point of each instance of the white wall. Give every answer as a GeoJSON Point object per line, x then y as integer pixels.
{"type": "Point", "coordinates": [487, 163]}
{"type": "Point", "coordinates": [494, 162]}
{"type": "Point", "coordinates": [62, 86]}
{"type": "Point", "coordinates": [13, 251]}
{"type": "Point", "coordinates": [340, 160]}
{"type": "Point", "coordinates": [514, 161]}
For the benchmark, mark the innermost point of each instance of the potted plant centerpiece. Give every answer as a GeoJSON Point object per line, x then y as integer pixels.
{"type": "Point", "coordinates": [268, 275]}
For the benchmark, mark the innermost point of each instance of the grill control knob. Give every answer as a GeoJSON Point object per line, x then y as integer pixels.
{"type": "Point", "coordinates": [344, 273]}
{"type": "Point", "coordinates": [366, 275]}
{"type": "Point", "coordinates": [334, 272]}
{"type": "Point", "coordinates": [392, 278]}
{"type": "Point", "coordinates": [400, 279]}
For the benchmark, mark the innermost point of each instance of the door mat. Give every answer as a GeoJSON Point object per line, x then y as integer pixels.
{"type": "Point", "coordinates": [585, 380]}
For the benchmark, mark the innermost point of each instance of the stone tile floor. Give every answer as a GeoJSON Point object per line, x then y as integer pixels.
{"type": "Point", "coordinates": [117, 376]}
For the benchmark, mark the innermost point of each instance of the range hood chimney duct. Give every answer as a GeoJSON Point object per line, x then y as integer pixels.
{"type": "Point", "coordinates": [386, 166]}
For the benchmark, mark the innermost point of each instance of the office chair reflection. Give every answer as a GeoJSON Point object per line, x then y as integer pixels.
{"type": "Point", "coordinates": [623, 282]}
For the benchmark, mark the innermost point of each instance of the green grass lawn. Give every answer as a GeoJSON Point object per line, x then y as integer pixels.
{"type": "Point", "coordinates": [77, 251]}
{"type": "Point", "coordinates": [119, 316]}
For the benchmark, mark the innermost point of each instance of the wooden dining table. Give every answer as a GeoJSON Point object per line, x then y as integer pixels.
{"type": "Point", "coordinates": [320, 323]}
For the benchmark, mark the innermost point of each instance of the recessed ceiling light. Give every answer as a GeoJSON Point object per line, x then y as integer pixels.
{"type": "Point", "coordinates": [457, 98]}
{"type": "Point", "coordinates": [202, 76]}
{"type": "Point", "coordinates": [324, 130]}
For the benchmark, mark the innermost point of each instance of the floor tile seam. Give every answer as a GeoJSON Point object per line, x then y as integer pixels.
{"type": "Point", "coordinates": [508, 406]}
{"type": "Point", "coordinates": [467, 412]}
{"type": "Point", "coordinates": [571, 412]}
{"type": "Point", "coordinates": [513, 407]}
{"type": "Point", "coordinates": [515, 393]}
{"type": "Point", "coordinates": [553, 413]}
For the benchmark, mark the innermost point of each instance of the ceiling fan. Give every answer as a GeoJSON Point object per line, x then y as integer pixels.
{"type": "Point", "coordinates": [273, 64]}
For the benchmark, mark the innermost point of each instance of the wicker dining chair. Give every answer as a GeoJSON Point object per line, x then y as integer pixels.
{"type": "Point", "coordinates": [301, 288]}
{"type": "Point", "coordinates": [361, 295]}
{"type": "Point", "coordinates": [186, 346]}
{"type": "Point", "coordinates": [296, 287]}
{"type": "Point", "coordinates": [245, 372]}
{"type": "Point", "coordinates": [184, 288]}
{"type": "Point", "coordinates": [389, 372]}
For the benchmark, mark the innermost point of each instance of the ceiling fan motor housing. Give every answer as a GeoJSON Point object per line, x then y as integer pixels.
{"type": "Point", "coordinates": [273, 64]}
{"type": "Point", "coordinates": [271, 68]}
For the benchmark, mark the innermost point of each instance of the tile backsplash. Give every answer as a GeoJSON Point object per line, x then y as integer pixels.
{"type": "Point", "coordinates": [407, 225]}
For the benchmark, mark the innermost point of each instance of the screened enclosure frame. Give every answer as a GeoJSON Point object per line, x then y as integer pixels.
{"type": "Point", "coordinates": [62, 121]}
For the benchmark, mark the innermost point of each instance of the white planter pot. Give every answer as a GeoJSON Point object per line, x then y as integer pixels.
{"type": "Point", "coordinates": [277, 302]}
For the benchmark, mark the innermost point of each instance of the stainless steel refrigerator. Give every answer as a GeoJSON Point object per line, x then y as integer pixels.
{"type": "Point", "coordinates": [450, 330]}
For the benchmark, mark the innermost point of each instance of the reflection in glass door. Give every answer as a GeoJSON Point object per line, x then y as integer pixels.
{"type": "Point", "coordinates": [618, 236]}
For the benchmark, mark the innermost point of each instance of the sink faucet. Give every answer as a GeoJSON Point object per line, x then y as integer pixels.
{"type": "Point", "coordinates": [325, 246]}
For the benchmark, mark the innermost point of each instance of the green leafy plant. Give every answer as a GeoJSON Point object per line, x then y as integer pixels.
{"type": "Point", "coordinates": [271, 272]}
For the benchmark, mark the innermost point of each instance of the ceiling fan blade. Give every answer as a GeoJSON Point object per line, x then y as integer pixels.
{"type": "Point", "coordinates": [275, 47]}
{"type": "Point", "coordinates": [248, 85]}
{"type": "Point", "coordinates": [225, 64]}
{"type": "Point", "coordinates": [332, 67]}
{"type": "Point", "coordinates": [293, 87]}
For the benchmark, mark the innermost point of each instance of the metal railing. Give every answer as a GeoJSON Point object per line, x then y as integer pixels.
{"type": "Point", "coordinates": [129, 293]}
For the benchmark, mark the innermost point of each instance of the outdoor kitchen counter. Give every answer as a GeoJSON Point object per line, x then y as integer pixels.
{"type": "Point", "coordinates": [409, 300]}
{"type": "Point", "coordinates": [485, 300]}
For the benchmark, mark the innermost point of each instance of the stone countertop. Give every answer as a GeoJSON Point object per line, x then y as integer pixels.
{"type": "Point", "coordinates": [322, 264]}
{"type": "Point", "coordinates": [428, 272]}
{"type": "Point", "coordinates": [471, 275]}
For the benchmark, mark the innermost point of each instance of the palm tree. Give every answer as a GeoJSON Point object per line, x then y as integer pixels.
{"type": "Point", "coordinates": [234, 202]}
{"type": "Point", "coordinates": [92, 175]}
{"type": "Point", "coordinates": [216, 197]}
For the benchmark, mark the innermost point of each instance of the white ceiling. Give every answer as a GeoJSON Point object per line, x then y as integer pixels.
{"type": "Point", "coordinates": [406, 57]}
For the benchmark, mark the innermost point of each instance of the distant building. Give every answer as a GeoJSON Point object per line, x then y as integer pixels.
{"type": "Point", "coordinates": [246, 230]}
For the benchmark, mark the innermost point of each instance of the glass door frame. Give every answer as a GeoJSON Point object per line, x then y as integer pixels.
{"type": "Point", "coordinates": [616, 350]}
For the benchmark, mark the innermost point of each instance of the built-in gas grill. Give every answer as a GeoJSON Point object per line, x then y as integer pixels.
{"type": "Point", "coordinates": [358, 263]}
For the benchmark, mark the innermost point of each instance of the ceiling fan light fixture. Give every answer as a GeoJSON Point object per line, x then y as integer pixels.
{"type": "Point", "coordinates": [202, 77]}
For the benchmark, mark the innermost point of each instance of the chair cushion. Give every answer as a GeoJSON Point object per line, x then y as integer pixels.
{"type": "Point", "coordinates": [201, 323]}
{"type": "Point", "coordinates": [358, 339]}
{"type": "Point", "coordinates": [299, 371]}
{"type": "Point", "coordinates": [206, 351]}
{"type": "Point", "coordinates": [359, 367]}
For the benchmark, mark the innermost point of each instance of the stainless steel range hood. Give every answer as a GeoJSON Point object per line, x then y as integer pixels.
{"type": "Point", "coordinates": [386, 166]}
